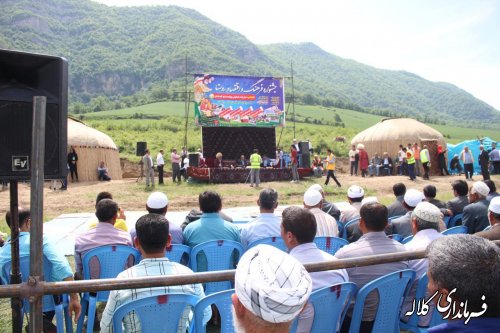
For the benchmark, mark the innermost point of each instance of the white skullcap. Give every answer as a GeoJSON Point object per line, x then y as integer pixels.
{"type": "Point", "coordinates": [316, 187]}
{"type": "Point", "coordinates": [413, 197]}
{"type": "Point", "coordinates": [272, 284]}
{"type": "Point", "coordinates": [312, 197]}
{"type": "Point", "coordinates": [368, 200]}
{"type": "Point", "coordinates": [481, 188]}
{"type": "Point", "coordinates": [427, 212]}
{"type": "Point", "coordinates": [355, 191]}
{"type": "Point", "coordinates": [157, 200]}
{"type": "Point", "coordinates": [360, 146]}
{"type": "Point", "coordinates": [495, 205]}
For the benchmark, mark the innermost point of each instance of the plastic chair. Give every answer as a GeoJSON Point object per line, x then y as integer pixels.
{"type": "Point", "coordinates": [113, 259]}
{"type": "Point", "coordinates": [347, 224]}
{"type": "Point", "coordinates": [276, 242]}
{"type": "Point", "coordinates": [222, 300]}
{"type": "Point", "coordinates": [396, 237]}
{"type": "Point", "coordinates": [461, 229]}
{"type": "Point", "coordinates": [330, 307]}
{"type": "Point", "coordinates": [178, 253]}
{"type": "Point", "coordinates": [220, 255]}
{"type": "Point", "coordinates": [412, 323]}
{"type": "Point", "coordinates": [389, 220]}
{"type": "Point", "coordinates": [407, 239]}
{"type": "Point", "coordinates": [487, 228]}
{"type": "Point", "coordinates": [56, 303]}
{"type": "Point", "coordinates": [392, 288]}
{"type": "Point", "coordinates": [160, 313]}
{"type": "Point", "coordinates": [453, 220]}
{"type": "Point", "coordinates": [330, 244]}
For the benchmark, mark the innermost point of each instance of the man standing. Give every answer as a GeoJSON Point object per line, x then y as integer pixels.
{"type": "Point", "coordinates": [330, 168]}
{"type": "Point", "coordinates": [416, 154]}
{"type": "Point", "coordinates": [176, 165]}
{"type": "Point", "coordinates": [477, 286]}
{"type": "Point", "coordinates": [267, 224]}
{"type": "Point", "coordinates": [298, 230]}
{"type": "Point", "coordinates": [326, 224]}
{"type": "Point", "coordinates": [149, 172]}
{"type": "Point", "coordinates": [475, 214]}
{"type": "Point", "coordinates": [495, 158]}
{"type": "Point", "coordinates": [402, 161]}
{"type": "Point", "coordinates": [468, 161]}
{"type": "Point", "coordinates": [363, 159]}
{"type": "Point", "coordinates": [374, 241]}
{"type": "Point", "coordinates": [410, 160]}
{"type": "Point", "coordinates": [271, 289]}
{"type": "Point", "coordinates": [255, 161]}
{"type": "Point", "coordinates": [152, 240]}
{"type": "Point", "coordinates": [484, 160]}
{"type": "Point", "coordinates": [160, 162]}
{"type": "Point", "coordinates": [426, 161]}
{"type": "Point", "coordinates": [294, 164]}
{"type": "Point", "coordinates": [354, 160]}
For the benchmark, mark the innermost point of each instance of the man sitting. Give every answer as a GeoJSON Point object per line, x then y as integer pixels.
{"type": "Point", "coordinates": [317, 166]}
{"type": "Point", "coordinates": [120, 221]}
{"type": "Point", "coordinates": [103, 172]}
{"type": "Point", "coordinates": [387, 164]}
{"type": "Point", "coordinates": [271, 289]}
{"type": "Point", "coordinates": [152, 239]}
{"type": "Point", "coordinates": [375, 165]}
{"type": "Point", "coordinates": [61, 270]}
{"type": "Point", "coordinates": [267, 224]}
{"type": "Point", "coordinates": [430, 196]}
{"type": "Point", "coordinates": [494, 217]}
{"type": "Point", "coordinates": [328, 207]}
{"type": "Point", "coordinates": [374, 241]}
{"type": "Point", "coordinates": [455, 165]}
{"type": "Point", "coordinates": [396, 208]}
{"type": "Point", "coordinates": [475, 215]}
{"type": "Point", "coordinates": [457, 204]}
{"type": "Point", "coordinates": [298, 230]}
{"type": "Point", "coordinates": [402, 225]}
{"type": "Point", "coordinates": [493, 190]}
{"type": "Point", "coordinates": [326, 224]}
{"type": "Point", "coordinates": [241, 163]}
{"type": "Point", "coordinates": [464, 270]}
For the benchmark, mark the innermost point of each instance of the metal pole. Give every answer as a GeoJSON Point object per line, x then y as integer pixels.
{"type": "Point", "coordinates": [15, 275]}
{"type": "Point", "coordinates": [293, 100]}
{"type": "Point", "coordinates": [186, 102]}
{"type": "Point", "coordinates": [36, 230]}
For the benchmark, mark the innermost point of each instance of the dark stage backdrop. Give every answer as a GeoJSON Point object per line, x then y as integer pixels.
{"type": "Point", "coordinates": [232, 142]}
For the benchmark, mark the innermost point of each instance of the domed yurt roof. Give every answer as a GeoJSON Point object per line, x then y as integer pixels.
{"type": "Point", "coordinates": [80, 134]}
{"type": "Point", "coordinates": [389, 133]}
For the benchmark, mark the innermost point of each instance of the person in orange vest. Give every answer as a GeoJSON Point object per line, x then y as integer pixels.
{"type": "Point", "coordinates": [330, 168]}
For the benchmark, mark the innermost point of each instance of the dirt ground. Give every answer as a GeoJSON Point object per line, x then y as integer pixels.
{"type": "Point", "coordinates": [132, 195]}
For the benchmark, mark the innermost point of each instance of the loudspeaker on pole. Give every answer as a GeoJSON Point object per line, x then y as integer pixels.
{"type": "Point", "coordinates": [141, 148]}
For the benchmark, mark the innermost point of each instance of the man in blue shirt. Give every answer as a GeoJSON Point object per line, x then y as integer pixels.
{"type": "Point", "coordinates": [61, 270]}
{"type": "Point", "coordinates": [469, 283]}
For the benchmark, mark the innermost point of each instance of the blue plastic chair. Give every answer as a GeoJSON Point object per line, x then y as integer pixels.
{"type": "Point", "coordinates": [221, 255]}
{"type": "Point", "coordinates": [56, 303]}
{"type": "Point", "coordinates": [412, 324]}
{"type": "Point", "coordinates": [461, 229]}
{"type": "Point", "coordinates": [453, 220]}
{"type": "Point", "coordinates": [178, 253]}
{"type": "Point", "coordinates": [222, 300]}
{"type": "Point", "coordinates": [330, 244]}
{"type": "Point", "coordinates": [276, 242]}
{"type": "Point", "coordinates": [113, 259]}
{"type": "Point", "coordinates": [392, 288]}
{"type": "Point", "coordinates": [389, 220]}
{"type": "Point", "coordinates": [396, 237]}
{"type": "Point", "coordinates": [407, 239]}
{"type": "Point", "coordinates": [347, 224]}
{"type": "Point", "coordinates": [159, 314]}
{"type": "Point", "coordinates": [487, 228]}
{"type": "Point", "coordinates": [330, 307]}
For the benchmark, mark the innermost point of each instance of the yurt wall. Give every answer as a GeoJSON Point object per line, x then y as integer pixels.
{"type": "Point", "coordinates": [88, 161]}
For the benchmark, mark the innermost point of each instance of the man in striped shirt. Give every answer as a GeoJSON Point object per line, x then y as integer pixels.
{"type": "Point", "coordinates": [326, 224]}
{"type": "Point", "coordinates": [152, 239]}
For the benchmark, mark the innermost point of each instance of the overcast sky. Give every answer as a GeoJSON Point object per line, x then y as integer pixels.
{"type": "Point", "coordinates": [456, 41]}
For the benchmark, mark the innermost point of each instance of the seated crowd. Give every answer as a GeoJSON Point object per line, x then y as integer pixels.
{"type": "Point", "coordinates": [272, 287]}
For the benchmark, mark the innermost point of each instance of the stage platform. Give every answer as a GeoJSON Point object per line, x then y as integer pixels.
{"type": "Point", "coordinates": [240, 175]}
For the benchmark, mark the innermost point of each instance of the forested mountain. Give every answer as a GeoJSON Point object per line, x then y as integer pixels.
{"type": "Point", "coordinates": [121, 51]}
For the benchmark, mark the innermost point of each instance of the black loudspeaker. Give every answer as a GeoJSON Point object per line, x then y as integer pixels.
{"type": "Point", "coordinates": [23, 76]}
{"type": "Point", "coordinates": [194, 159]}
{"type": "Point", "coordinates": [304, 147]}
{"type": "Point", "coordinates": [305, 160]}
{"type": "Point", "coordinates": [141, 148]}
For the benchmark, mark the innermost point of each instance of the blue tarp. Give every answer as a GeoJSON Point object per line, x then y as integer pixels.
{"type": "Point", "coordinates": [473, 147]}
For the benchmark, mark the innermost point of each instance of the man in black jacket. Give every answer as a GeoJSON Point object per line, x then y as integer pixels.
{"type": "Point", "coordinates": [484, 159]}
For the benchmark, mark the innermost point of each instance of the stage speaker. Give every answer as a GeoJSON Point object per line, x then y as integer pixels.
{"type": "Point", "coordinates": [23, 76]}
{"type": "Point", "coordinates": [304, 147]}
{"type": "Point", "coordinates": [194, 159]}
{"type": "Point", "coordinates": [305, 160]}
{"type": "Point", "coordinates": [141, 148]}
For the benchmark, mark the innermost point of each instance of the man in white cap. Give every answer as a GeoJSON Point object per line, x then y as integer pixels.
{"type": "Point", "coordinates": [267, 224]}
{"type": "Point", "coordinates": [494, 217]}
{"type": "Point", "coordinates": [355, 195]}
{"type": "Point", "coordinates": [425, 223]}
{"type": "Point", "coordinates": [326, 224]}
{"type": "Point", "coordinates": [271, 289]}
{"type": "Point", "coordinates": [374, 241]}
{"type": "Point", "coordinates": [402, 225]}
{"type": "Point", "coordinates": [157, 203]}
{"type": "Point", "coordinates": [328, 207]}
{"type": "Point", "coordinates": [475, 214]}
{"type": "Point", "coordinates": [298, 230]}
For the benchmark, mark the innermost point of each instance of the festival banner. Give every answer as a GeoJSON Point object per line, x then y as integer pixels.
{"type": "Point", "coordinates": [222, 100]}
